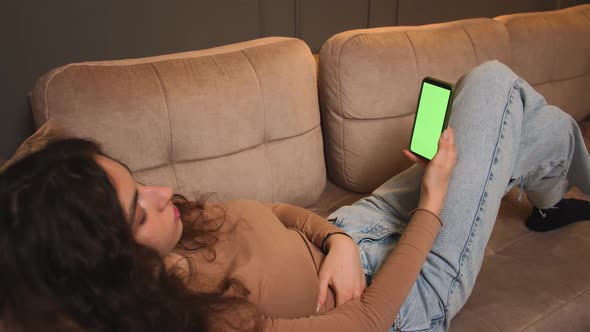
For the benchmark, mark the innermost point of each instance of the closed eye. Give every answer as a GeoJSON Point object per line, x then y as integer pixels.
{"type": "Point", "coordinates": [143, 217]}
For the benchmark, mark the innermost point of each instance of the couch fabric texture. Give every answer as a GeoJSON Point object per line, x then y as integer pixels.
{"type": "Point", "coordinates": [236, 120]}
{"type": "Point", "coordinates": [243, 120]}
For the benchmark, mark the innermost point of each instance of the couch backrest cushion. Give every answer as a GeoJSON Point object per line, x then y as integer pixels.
{"type": "Point", "coordinates": [240, 120]}
{"type": "Point", "coordinates": [369, 82]}
{"type": "Point", "coordinates": [551, 50]}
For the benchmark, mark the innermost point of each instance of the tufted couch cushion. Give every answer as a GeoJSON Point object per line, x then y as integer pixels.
{"type": "Point", "coordinates": [240, 120]}
{"type": "Point", "coordinates": [551, 50]}
{"type": "Point", "coordinates": [368, 81]}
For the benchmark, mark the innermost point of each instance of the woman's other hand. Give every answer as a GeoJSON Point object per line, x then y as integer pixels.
{"type": "Point", "coordinates": [435, 182]}
{"type": "Point", "coordinates": [341, 270]}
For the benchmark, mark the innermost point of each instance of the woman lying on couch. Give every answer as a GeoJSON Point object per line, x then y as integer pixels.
{"type": "Point", "coordinates": [83, 246]}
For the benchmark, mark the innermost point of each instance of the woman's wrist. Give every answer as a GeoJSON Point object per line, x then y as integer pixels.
{"type": "Point", "coordinates": [433, 205]}
{"type": "Point", "coordinates": [334, 239]}
{"type": "Point", "coordinates": [428, 212]}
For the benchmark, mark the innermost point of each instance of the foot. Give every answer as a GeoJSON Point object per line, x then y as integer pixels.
{"type": "Point", "coordinates": [566, 212]}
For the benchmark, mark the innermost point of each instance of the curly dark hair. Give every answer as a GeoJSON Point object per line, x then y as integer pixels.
{"type": "Point", "coordinates": [69, 261]}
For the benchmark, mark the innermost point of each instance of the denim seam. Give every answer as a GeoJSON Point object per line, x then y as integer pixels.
{"type": "Point", "coordinates": [438, 297]}
{"type": "Point", "coordinates": [523, 177]}
{"type": "Point", "coordinates": [398, 328]}
{"type": "Point", "coordinates": [393, 211]}
{"type": "Point", "coordinates": [397, 321]}
{"type": "Point", "coordinates": [480, 207]}
{"type": "Point", "coordinates": [364, 261]}
{"type": "Point", "coordinates": [551, 163]}
{"type": "Point", "coordinates": [444, 315]}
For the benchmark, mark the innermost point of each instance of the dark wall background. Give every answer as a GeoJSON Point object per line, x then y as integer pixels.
{"type": "Point", "coordinates": [36, 36]}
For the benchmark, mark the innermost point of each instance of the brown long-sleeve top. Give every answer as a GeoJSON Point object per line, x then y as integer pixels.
{"type": "Point", "coordinates": [273, 249]}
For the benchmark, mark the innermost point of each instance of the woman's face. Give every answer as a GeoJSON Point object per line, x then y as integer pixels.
{"type": "Point", "coordinates": [154, 219]}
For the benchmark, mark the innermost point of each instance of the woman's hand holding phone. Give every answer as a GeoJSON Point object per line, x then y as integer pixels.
{"type": "Point", "coordinates": [435, 182]}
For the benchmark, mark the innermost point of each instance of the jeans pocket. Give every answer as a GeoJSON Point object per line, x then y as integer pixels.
{"type": "Point", "coordinates": [374, 231]}
{"type": "Point", "coordinates": [366, 225]}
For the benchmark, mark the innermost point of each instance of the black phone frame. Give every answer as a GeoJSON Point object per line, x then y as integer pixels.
{"type": "Point", "coordinates": [444, 85]}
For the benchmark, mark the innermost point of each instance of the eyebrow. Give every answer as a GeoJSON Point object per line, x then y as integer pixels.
{"type": "Point", "coordinates": [133, 208]}
{"type": "Point", "coordinates": [124, 165]}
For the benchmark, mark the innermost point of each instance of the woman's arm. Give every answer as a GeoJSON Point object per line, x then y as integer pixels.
{"type": "Point", "coordinates": [378, 306]}
{"type": "Point", "coordinates": [314, 227]}
{"type": "Point", "coordinates": [341, 270]}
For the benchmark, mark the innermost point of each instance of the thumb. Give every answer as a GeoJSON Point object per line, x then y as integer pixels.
{"type": "Point", "coordinates": [451, 135]}
{"type": "Point", "coordinates": [444, 141]}
{"type": "Point", "coordinates": [324, 283]}
{"type": "Point", "coordinates": [445, 136]}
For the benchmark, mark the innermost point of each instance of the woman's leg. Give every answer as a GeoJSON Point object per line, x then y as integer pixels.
{"type": "Point", "coordinates": [505, 133]}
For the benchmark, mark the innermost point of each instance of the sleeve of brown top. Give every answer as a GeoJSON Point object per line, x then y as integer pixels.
{"type": "Point", "coordinates": [378, 306]}
{"type": "Point", "coordinates": [312, 225]}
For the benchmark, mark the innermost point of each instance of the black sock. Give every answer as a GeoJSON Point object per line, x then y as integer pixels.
{"type": "Point", "coordinates": [565, 212]}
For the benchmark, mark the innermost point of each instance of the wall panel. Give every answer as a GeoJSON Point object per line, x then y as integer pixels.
{"type": "Point", "coordinates": [46, 34]}
{"type": "Point", "coordinates": [569, 3]}
{"type": "Point", "coordinates": [278, 17]}
{"type": "Point", "coordinates": [413, 12]}
{"type": "Point", "coordinates": [36, 36]}
{"type": "Point", "coordinates": [382, 13]}
{"type": "Point", "coordinates": [321, 19]}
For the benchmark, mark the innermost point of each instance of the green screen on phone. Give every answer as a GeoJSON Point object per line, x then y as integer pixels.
{"type": "Point", "coordinates": [430, 119]}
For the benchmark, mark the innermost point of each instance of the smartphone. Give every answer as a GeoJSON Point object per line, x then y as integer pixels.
{"type": "Point", "coordinates": [432, 115]}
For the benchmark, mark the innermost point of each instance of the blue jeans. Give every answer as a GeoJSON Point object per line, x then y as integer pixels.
{"type": "Point", "coordinates": [505, 134]}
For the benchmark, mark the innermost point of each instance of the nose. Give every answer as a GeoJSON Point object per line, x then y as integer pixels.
{"type": "Point", "coordinates": [159, 197]}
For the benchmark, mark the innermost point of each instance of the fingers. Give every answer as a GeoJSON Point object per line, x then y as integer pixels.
{"type": "Point", "coordinates": [446, 153]}
{"type": "Point", "coordinates": [351, 292]}
{"type": "Point", "coordinates": [453, 155]}
{"type": "Point", "coordinates": [341, 298]}
{"type": "Point", "coordinates": [451, 151]}
{"type": "Point", "coordinates": [446, 149]}
{"type": "Point", "coordinates": [443, 144]}
{"type": "Point", "coordinates": [414, 158]}
{"type": "Point", "coordinates": [436, 178]}
{"type": "Point", "coordinates": [451, 136]}
{"type": "Point", "coordinates": [410, 155]}
{"type": "Point", "coordinates": [324, 282]}
{"type": "Point", "coordinates": [345, 296]}
{"type": "Point", "coordinates": [343, 292]}
{"type": "Point", "coordinates": [364, 284]}
{"type": "Point", "coordinates": [444, 140]}
{"type": "Point", "coordinates": [342, 272]}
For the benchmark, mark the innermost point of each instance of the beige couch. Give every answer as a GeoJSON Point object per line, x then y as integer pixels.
{"type": "Point", "coordinates": [244, 121]}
